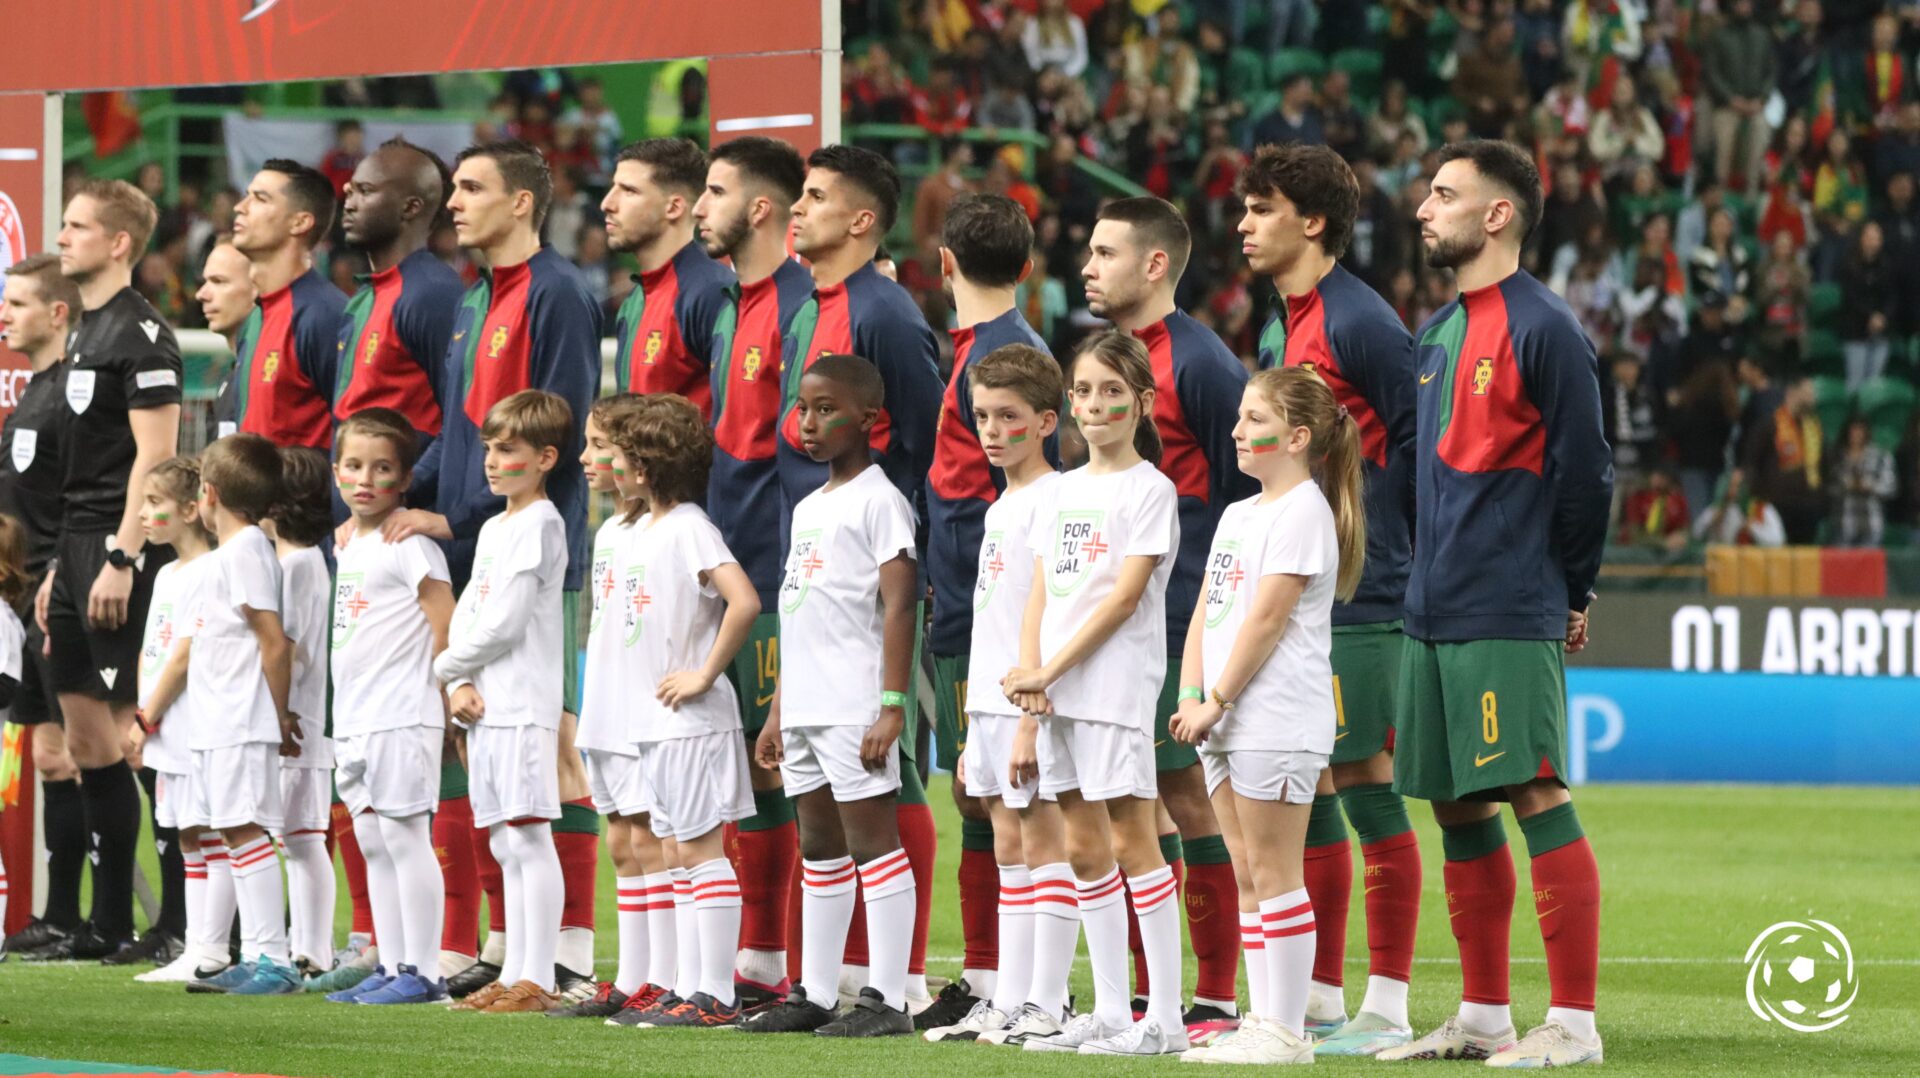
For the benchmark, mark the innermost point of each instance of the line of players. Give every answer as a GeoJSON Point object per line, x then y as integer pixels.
{"type": "Point", "coordinates": [694, 328]}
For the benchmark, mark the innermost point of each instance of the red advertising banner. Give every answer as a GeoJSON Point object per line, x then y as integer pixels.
{"type": "Point", "coordinates": [114, 44]}
{"type": "Point", "coordinates": [22, 179]}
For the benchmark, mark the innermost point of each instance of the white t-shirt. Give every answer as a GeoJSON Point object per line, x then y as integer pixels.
{"type": "Point", "coordinates": [608, 689]}
{"type": "Point", "coordinates": [1091, 526]}
{"type": "Point", "coordinates": [382, 641]}
{"type": "Point", "coordinates": [1000, 593]}
{"type": "Point", "coordinates": [1288, 706]}
{"type": "Point", "coordinates": [231, 702]}
{"type": "Point", "coordinates": [304, 590]}
{"type": "Point", "coordinates": [171, 616]}
{"type": "Point", "coordinates": [831, 658]}
{"type": "Point", "coordinates": [13, 638]}
{"type": "Point", "coordinates": [668, 619]}
{"type": "Point", "coordinates": [506, 636]}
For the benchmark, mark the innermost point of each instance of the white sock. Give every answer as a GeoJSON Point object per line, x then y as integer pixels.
{"type": "Point", "coordinates": [543, 894]}
{"type": "Point", "coordinates": [716, 906]}
{"type": "Point", "coordinates": [663, 948]}
{"type": "Point", "coordinates": [917, 985]}
{"type": "Point", "coordinates": [218, 904]}
{"type": "Point", "coordinates": [1253, 946]}
{"type": "Point", "coordinates": [1056, 935]}
{"type": "Point", "coordinates": [383, 888]}
{"type": "Point", "coordinates": [985, 983]}
{"type": "Point", "coordinates": [423, 890]}
{"type": "Point", "coordinates": [1486, 1018]}
{"type": "Point", "coordinates": [256, 883]}
{"type": "Point", "coordinates": [632, 924]}
{"type": "Point", "coordinates": [1387, 998]}
{"type": "Point", "coordinates": [761, 967]}
{"type": "Point", "coordinates": [686, 933]}
{"type": "Point", "coordinates": [3, 895]}
{"type": "Point", "coordinates": [1015, 926]}
{"type": "Point", "coordinates": [1578, 1022]}
{"type": "Point", "coordinates": [1103, 913]}
{"type": "Point", "coordinates": [514, 949]}
{"type": "Point", "coordinates": [310, 887]}
{"type": "Point", "coordinates": [887, 883]}
{"type": "Point", "coordinates": [826, 909]}
{"type": "Point", "coordinates": [1287, 922]}
{"type": "Point", "coordinates": [1156, 902]}
{"type": "Point", "coordinates": [1325, 1002]}
{"type": "Point", "coordinates": [193, 863]}
{"type": "Point", "coordinates": [494, 951]}
{"type": "Point", "coordinates": [573, 949]}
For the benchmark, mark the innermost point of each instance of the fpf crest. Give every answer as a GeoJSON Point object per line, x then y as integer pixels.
{"type": "Point", "coordinates": [373, 346]}
{"type": "Point", "coordinates": [653, 348]}
{"type": "Point", "coordinates": [1482, 375]}
{"type": "Point", "coordinates": [496, 342]}
{"type": "Point", "coordinates": [750, 365]}
{"type": "Point", "coordinates": [271, 366]}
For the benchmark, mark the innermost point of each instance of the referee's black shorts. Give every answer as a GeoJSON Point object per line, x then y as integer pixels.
{"type": "Point", "coordinates": [89, 660]}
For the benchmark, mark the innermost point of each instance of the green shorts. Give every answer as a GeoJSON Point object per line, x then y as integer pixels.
{"type": "Point", "coordinates": [570, 652]}
{"type": "Point", "coordinates": [453, 775]}
{"type": "Point", "coordinates": [755, 673]}
{"type": "Point", "coordinates": [1366, 688]}
{"type": "Point", "coordinates": [949, 710]}
{"type": "Point", "coordinates": [1478, 716]}
{"type": "Point", "coordinates": [1168, 754]}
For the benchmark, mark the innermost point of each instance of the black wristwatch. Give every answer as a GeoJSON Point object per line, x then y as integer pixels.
{"type": "Point", "coordinates": [119, 559]}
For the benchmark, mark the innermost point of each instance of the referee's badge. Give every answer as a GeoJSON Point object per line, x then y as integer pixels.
{"type": "Point", "coordinates": [24, 443]}
{"type": "Point", "coordinates": [79, 390]}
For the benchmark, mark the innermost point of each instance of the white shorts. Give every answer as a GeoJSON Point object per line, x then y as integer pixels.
{"type": "Point", "coordinates": [175, 804]}
{"type": "Point", "coordinates": [238, 785]}
{"type": "Point", "coordinates": [392, 772]}
{"type": "Point", "coordinates": [987, 757]}
{"type": "Point", "coordinates": [306, 799]}
{"type": "Point", "coordinates": [697, 783]}
{"type": "Point", "coordinates": [1265, 774]}
{"type": "Point", "coordinates": [1101, 760]}
{"type": "Point", "coordinates": [513, 773]}
{"type": "Point", "coordinates": [819, 756]}
{"type": "Point", "coordinates": [619, 781]}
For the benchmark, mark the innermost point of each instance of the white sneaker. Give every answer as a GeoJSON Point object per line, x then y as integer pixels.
{"type": "Point", "coordinates": [1549, 1045]}
{"type": "Point", "coordinates": [1029, 1021]}
{"type": "Point", "coordinates": [983, 1017]}
{"type": "Point", "coordinates": [1451, 1041]}
{"type": "Point", "coordinates": [1368, 1034]}
{"type": "Point", "coordinates": [1147, 1037]}
{"type": "Point", "coordinates": [179, 971]}
{"type": "Point", "coordinates": [1260, 1041]}
{"type": "Point", "coordinates": [1083, 1029]}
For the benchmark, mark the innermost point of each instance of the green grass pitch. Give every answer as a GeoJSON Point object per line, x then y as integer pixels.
{"type": "Point", "coordinates": [1691, 875]}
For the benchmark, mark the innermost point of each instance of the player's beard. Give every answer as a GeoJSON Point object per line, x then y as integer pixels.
{"type": "Point", "coordinates": [638, 240]}
{"type": "Point", "coordinates": [725, 239]}
{"type": "Point", "coordinates": [1452, 253]}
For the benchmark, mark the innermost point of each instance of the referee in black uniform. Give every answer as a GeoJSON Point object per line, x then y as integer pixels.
{"type": "Point", "coordinates": [38, 312]}
{"type": "Point", "coordinates": [123, 397]}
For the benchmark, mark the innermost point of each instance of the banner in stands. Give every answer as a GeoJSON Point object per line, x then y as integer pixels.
{"type": "Point", "coordinates": [22, 178]}
{"type": "Point", "coordinates": [253, 140]}
{"type": "Point", "coordinates": [1851, 638]}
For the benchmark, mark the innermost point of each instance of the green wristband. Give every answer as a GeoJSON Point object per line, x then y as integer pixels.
{"type": "Point", "coordinates": [893, 699]}
{"type": "Point", "coordinates": [1192, 692]}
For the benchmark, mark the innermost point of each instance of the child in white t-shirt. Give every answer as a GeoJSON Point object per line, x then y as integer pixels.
{"type": "Point", "coordinates": [238, 682]}
{"type": "Point", "coordinates": [392, 605]}
{"type": "Point", "coordinates": [502, 672]}
{"type": "Point", "coordinates": [1257, 677]}
{"type": "Point", "coordinates": [608, 695]}
{"type": "Point", "coordinates": [301, 519]}
{"type": "Point", "coordinates": [847, 608]}
{"type": "Point", "coordinates": [1016, 391]}
{"type": "Point", "coordinates": [1092, 656]}
{"type": "Point", "coordinates": [13, 636]}
{"type": "Point", "coordinates": [170, 515]}
{"type": "Point", "coordinates": [681, 612]}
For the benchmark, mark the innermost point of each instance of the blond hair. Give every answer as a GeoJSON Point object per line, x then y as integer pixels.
{"type": "Point", "coordinates": [1303, 399]}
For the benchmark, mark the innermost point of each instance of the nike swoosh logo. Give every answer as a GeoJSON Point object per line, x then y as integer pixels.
{"type": "Point", "coordinates": [1375, 887]}
{"type": "Point", "coordinates": [1159, 743]}
{"type": "Point", "coordinates": [1425, 378]}
{"type": "Point", "coordinates": [1543, 913]}
{"type": "Point", "coordinates": [1482, 761]}
{"type": "Point", "coordinates": [762, 701]}
{"type": "Point", "coordinates": [1337, 737]}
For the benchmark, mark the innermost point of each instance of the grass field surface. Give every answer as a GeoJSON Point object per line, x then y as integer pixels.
{"type": "Point", "coordinates": [1690, 876]}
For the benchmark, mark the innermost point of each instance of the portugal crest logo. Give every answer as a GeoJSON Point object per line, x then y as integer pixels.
{"type": "Point", "coordinates": [1482, 375]}
{"type": "Point", "coordinates": [750, 365]}
{"type": "Point", "coordinates": [271, 367]}
{"type": "Point", "coordinates": [373, 346]}
{"type": "Point", "coordinates": [496, 342]}
{"type": "Point", "coordinates": [653, 346]}
{"type": "Point", "coordinates": [1078, 545]}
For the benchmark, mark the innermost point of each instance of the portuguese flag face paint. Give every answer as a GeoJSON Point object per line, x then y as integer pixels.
{"type": "Point", "coordinates": [1119, 411]}
{"type": "Point", "coordinates": [1017, 435]}
{"type": "Point", "coordinates": [838, 421]}
{"type": "Point", "coordinates": [163, 518]}
{"type": "Point", "coordinates": [513, 472]}
{"type": "Point", "coordinates": [603, 464]}
{"type": "Point", "coordinates": [386, 484]}
{"type": "Point", "coordinates": [1265, 445]}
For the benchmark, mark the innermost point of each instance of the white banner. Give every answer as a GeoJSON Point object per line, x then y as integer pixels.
{"type": "Point", "coordinates": [252, 142]}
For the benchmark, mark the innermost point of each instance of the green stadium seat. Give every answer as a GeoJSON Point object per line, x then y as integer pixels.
{"type": "Point", "coordinates": [1888, 404]}
{"type": "Point", "coordinates": [1363, 66]}
{"type": "Point", "coordinates": [1287, 63]}
{"type": "Point", "coordinates": [1821, 353]}
{"type": "Point", "coordinates": [1378, 20]}
{"type": "Point", "coordinates": [1246, 74]}
{"type": "Point", "coordinates": [1832, 403]}
{"type": "Point", "coordinates": [1823, 305]}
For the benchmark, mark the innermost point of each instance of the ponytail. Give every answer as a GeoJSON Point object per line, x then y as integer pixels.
{"type": "Point", "coordinates": [1124, 354]}
{"type": "Point", "coordinates": [1304, 399]}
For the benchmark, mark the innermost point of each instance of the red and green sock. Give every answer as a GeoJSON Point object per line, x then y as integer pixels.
{"type": "Point", "coordinates": [356, 869]}
{"type": "Point", "coordinates": [1566, 897]}
{"type": "Point", "coordinates": [452, 826]}
{"type": "Point", "coordinates": [1213, 923]}
{"type": "Point", "coordinates": [1391, 855]}
{"type": "Point", "coordinates": [1329, 875]}
{"type": "Point", "coordinates": [765, 848]}
{"type": "Point", "coordinates": [1480, 888]}
{"type": "Point", "coordinates": [979, 898]}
